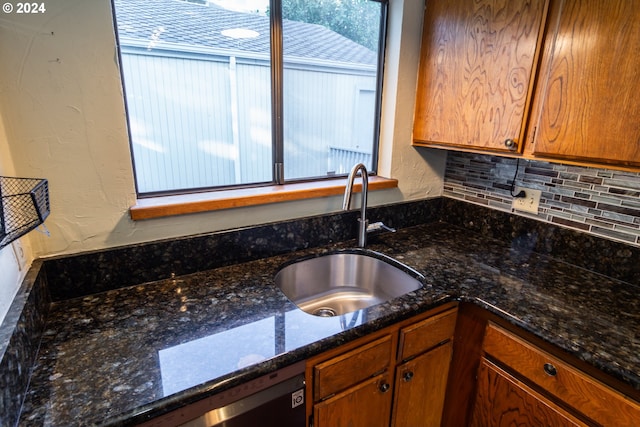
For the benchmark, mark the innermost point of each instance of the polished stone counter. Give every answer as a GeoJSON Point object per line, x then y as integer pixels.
{"type": "Point", "coordinates": [125, 355]}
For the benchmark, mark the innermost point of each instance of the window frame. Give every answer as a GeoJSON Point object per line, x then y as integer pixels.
{"type": "Point", "coordinates": [277, 120]}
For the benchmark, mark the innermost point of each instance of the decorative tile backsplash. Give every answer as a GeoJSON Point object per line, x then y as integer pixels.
{"type": "Point", "coordinates": [602, 202]}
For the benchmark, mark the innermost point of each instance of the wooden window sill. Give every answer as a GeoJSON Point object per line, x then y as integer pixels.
{"type": "Point", "coordinates": [157, 207]}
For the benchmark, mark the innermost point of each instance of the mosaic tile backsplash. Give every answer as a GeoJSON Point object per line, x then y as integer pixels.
{"type": "Point", "coordinates": [601, 202]}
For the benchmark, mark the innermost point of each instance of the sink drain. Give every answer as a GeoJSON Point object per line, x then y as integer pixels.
{"type": "Point", "coordinates": [325, 312]}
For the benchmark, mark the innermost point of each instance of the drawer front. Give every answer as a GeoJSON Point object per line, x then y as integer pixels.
{"type": "Point", "coordinates": [352, 367]}
{"type": "Point", "coordinates": [580, 391]}
{"type": "Point", "coordinates": [421, 336]}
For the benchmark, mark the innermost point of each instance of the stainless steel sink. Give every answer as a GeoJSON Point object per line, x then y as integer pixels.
{"type": "Point", "coordinates": [342, 282]}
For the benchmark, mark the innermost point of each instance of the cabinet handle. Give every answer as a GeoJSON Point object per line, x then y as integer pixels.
{"type": "Point", "coordinates": [510, 144]}
{"type": "Point", "coordinates": [550, 369]}
{"type": "Point", "coordinates": [384, 387]}
{"type": "Point", "coordinates": [407, 376]}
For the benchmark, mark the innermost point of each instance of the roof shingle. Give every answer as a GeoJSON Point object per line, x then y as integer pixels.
{"type": "Point", "coordinates": [181, 22]}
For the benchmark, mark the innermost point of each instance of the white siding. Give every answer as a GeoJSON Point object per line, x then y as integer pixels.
{"type": "Point", "coordinates": [199, 122]}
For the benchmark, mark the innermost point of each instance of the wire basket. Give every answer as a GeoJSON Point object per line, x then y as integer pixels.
{"type": "Point", "coordinates": [24, 205]}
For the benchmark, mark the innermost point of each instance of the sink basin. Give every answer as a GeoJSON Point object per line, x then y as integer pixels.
{"type": "Point", "coordinates": [346, 281]}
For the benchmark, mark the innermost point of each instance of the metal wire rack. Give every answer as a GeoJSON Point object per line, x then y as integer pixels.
{"type": "Point", "coordinates": [24, 205]}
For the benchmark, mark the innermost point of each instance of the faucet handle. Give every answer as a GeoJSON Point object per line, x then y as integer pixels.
{"type": "Point", "coordinates": [379, 226]}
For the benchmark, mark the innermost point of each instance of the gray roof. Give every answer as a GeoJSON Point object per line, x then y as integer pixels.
{"type": "Point", "coordinates": [176, 21]}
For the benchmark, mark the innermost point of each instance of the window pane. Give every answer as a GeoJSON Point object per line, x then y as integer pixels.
{"type": "Point", "coordinates": [198, 92]}
{"type": "Point", "coordinates": [329, 85]}
{"type": "Point", "coordinates": [197, 79]}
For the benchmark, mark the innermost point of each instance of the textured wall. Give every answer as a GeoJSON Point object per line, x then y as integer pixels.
{"type": "Point", "coordinates": [601, 202]}
{"type": "Point", "coordinates": [63, 110]}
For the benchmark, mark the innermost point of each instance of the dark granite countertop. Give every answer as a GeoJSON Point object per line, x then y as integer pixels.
{"type": "Point", "coordinates": [129, 354]}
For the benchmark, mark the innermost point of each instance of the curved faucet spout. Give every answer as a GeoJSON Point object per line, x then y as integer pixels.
{"type": "Point", "coordinates": [362, 227]}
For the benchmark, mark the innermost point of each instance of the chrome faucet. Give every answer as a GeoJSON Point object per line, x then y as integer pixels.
{"type": "Point", "coordinates": [363, 222]}
{"type": "Point", "coordinates": [363, 226]}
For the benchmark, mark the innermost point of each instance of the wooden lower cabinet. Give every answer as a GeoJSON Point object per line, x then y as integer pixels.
{"type": "Point", "coordinates": [420, 388]}
{"type": "Point", "coordinates": [580, 393]}
{"type": "Point", "coordinates": [503, 376]}
{"type": "Point", "coordinates": [368, 404]}
{"type": "Point", "coordinates": [395, 377]}
{"type": "Point", "coordinates": [459, 367]}
{"type": "Point", "coordinates": [520, 384]}
{"type": "Point", "coordinates": [503, 401]}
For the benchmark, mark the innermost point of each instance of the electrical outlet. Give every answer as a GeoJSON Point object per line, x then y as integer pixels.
{"type": "Point", "coordinates": [18, 252]}
{"type": "Point", "coordinates": [528, 203]}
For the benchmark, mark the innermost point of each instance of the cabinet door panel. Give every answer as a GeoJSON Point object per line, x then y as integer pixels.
{"type": "Point", "coordinates": [476, 71]}
{"type": "Point", "coordinates": [365, 405]}
{"type": "Point", "coordinates": [503, 401]}
{"type": "Point", "coordinates": [566, 383]}
{"type": "Point", "coordinates": [421, 385]}
{"type": "Point", "coordinates": [590, 108]}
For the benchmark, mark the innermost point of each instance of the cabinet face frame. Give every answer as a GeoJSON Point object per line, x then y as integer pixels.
{"type": "Point", "coordinates": [474, 84]}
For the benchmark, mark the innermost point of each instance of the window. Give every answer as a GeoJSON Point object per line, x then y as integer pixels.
{"type": "Point", "coordinates": [228, 93]}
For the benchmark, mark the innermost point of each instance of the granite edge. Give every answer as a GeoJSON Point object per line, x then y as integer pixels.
{"type": "Point", "coordinates": [21, 331]}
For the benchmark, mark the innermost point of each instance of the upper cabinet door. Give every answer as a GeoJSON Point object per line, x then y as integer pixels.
{"type": "Point", "coordinates": [476, 72]}
{"type": "Point", "coordinates": [590, 90]}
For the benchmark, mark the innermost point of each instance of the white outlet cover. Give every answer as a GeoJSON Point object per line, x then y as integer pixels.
{"type": "Point", "coordinates": [529, 203]}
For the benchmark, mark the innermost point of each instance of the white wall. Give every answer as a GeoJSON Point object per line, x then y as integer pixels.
{"type": "Point", "coordinates": [419, 170]}
{"type": "Point", "coordinates": [61, 102]}
{"type": "Point", "coordinates": [10, 278]}
{"type": "Point", "coordinates": [11, 274]}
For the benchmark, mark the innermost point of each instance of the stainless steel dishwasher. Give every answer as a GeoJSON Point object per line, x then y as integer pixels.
{"type": "Point", "coordinates": [274, 400]}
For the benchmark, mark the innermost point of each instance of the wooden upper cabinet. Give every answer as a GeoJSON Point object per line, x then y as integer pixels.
{"type": "Point", "coordinates": [589, 90]}
{"type": "Point", "coordinates": [476, 72]}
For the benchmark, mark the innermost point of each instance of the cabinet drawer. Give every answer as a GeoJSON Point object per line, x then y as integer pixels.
{"type": "Point", "coordinates": [575, 388]}
{"type": "Point", "coordinates": [351, 367]}
{"type": "Point", "coordinates": [421, 336]}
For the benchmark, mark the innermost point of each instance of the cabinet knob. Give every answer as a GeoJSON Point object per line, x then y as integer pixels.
{"type": "Point", "coordinates": [384, 387]}
{"type": "Point", "coordinates": [407, 376]}
{"type": "Point", "coordinates": [510, 144]}
{"type": "Point", "coordinates": [550, 369]}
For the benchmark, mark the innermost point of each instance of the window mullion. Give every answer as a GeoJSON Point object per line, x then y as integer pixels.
{"type": "Point", "coordinates": [277, 135]}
